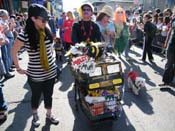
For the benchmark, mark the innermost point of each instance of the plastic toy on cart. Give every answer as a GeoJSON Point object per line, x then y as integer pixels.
{"type": "Point", "coordinates": [135, 82]}
{"type": "Point", "coordinates": [98, 80]}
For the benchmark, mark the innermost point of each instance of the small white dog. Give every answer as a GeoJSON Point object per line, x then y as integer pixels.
{"type": "Point", "coordinates": [135, 82]}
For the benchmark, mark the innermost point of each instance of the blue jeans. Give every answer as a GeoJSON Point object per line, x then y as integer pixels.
{"type": "Point", "coordinates": [4, 50]}
{"type": "Point", "coordinates": [9, 54]}
{"type": "Point", "coordinates": [2, 67]}
{"type": "Point", "coordinates": [3, 104]}
{"type": "Point", "coordinates": [127, 48]}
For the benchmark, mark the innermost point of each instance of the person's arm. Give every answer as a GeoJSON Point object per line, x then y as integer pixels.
{"type": "Point", "coordinates": [167, 38]}
{"type": "Point", "coordinates": [145, 28]}
{"type": "Point", "coordinates": [16, 47]}
{"type": "Point", "coordinates": [2, 41]}
{"type": "Point", "coordinates": [141, 26]}
{"type": "Point", "coordinates": [74, 33]}
{"type": "Point", "coordinates": [97, 33]}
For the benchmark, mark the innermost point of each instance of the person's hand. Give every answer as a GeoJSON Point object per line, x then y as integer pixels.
{"type": "Point", "coordinates": [164, 45]}
{"type": "Point", "coordinates": [21, 71]}
{"type": "Point", "coordinates": [112, 35]}
{"type": "Point", "coordinates": [2, 41]}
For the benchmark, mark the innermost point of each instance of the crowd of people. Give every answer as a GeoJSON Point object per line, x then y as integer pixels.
{"type": "Point", "coordinates": [118, 29]}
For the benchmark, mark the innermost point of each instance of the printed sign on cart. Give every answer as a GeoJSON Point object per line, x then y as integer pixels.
{"type": "Point", "coordinates": [83, 64]}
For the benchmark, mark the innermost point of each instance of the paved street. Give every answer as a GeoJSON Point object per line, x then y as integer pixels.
{"type": "Point", "coordinates": [152, 110]}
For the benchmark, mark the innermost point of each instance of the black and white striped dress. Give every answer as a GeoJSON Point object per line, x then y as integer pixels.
{"type": "Point", "coordinates": [34, 70]}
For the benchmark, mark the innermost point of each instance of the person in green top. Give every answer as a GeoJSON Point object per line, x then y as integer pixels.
{"type": "Point", "coordinates": [121, 31]}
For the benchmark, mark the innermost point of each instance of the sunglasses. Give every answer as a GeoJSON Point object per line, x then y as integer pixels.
{"type": "Point", "coordinates": [86, 9]}
{"type": "Point", "coordinates": [42, 19]}
{"type": "Point", "coordinates": [120, 12]}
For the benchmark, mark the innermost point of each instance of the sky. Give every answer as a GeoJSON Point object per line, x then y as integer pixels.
{"type": "Point", "coordinates": [69, 5]}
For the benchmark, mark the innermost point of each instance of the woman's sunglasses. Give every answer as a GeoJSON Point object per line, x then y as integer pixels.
{"type": "Point", "coordinates": [42, 19]}
{"type": "Point", "coordinates": [88, 9]}
{"type": "Point", "coordinates": [120, 12]}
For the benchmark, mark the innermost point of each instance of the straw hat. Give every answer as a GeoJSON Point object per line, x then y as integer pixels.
{"type": "Point", "coordinates": [107, 10]}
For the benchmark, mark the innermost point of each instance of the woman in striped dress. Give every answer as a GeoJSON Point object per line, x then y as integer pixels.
{"type": "Point", "coordinates": [41, 71]}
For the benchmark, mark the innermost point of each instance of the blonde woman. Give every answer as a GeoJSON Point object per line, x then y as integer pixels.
{"type": "Point", "coordinates": [122, 31]}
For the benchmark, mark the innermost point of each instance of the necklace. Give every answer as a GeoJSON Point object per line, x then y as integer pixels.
{"type": "Point", "coordinates": [85, 34]}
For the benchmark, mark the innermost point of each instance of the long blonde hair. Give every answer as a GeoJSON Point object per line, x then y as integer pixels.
{"type": "Point", "coordinates": [116, 17]}
{"type": "Point", "coordinates": [70, 14]}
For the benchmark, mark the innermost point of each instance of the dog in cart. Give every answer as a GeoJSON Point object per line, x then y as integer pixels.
{"type": "Point", "coordinates": [135, 82]}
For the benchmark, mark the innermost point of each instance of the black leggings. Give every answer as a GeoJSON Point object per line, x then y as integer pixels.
{"type": "Point", "coordinates": [45, 87]}
{"type": "Point", "coordinates": [147, 48]}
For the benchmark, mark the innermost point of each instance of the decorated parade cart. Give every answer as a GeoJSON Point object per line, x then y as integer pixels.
{"type": "Point", "coordinates": [98, 82]}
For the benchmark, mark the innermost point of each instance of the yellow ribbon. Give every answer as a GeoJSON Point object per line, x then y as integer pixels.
{"type": "Point", "coordinates": [43, 54]}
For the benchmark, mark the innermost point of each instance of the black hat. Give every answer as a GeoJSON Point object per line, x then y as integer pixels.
{"type": "Point", "coordinates": [157, 10]}
{"type": "Point", "coordinates": [38, 10]}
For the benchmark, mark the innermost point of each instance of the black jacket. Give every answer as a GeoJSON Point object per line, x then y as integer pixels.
{"type": "Point", "coordinates": [78, 34]}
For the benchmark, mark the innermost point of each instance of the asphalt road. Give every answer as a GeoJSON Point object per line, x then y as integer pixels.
{"type": "Point", "coordinates": [152, 110]}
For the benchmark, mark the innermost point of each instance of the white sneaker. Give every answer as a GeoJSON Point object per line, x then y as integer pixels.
{"type": "Point", "coordinates": [52, 119]}
{"type": "Point", "coordinates": [36, 120]}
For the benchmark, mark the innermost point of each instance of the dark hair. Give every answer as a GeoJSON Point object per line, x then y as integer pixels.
{"type": "Point", "coordinates": [30, 27]}
{"type": "Point", "coordinates": [168, 10]}
{"type": "Point", "coordinates": [100, 16]}
{"type": "Point", "coordinates": [155, 15]}
{"type": "Point", "coordinates": [13, 16]}
{"type": "Point", "coordinates": [63, 14]}
{"type": "Point", "coordinates": [167, 20]}
{"type": "Point", "coordinates": [155, 18]}
{"type": "Point", "coordinates": [160, 14]}
{"type": "Point", "coordinates": [147, 15]}
{"type": "Point", "coordinates": [160, 18]}
{"type": "Point", "coordinates": [157, 10]}
{"type": "Point", "coordinates": [38, 10]}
